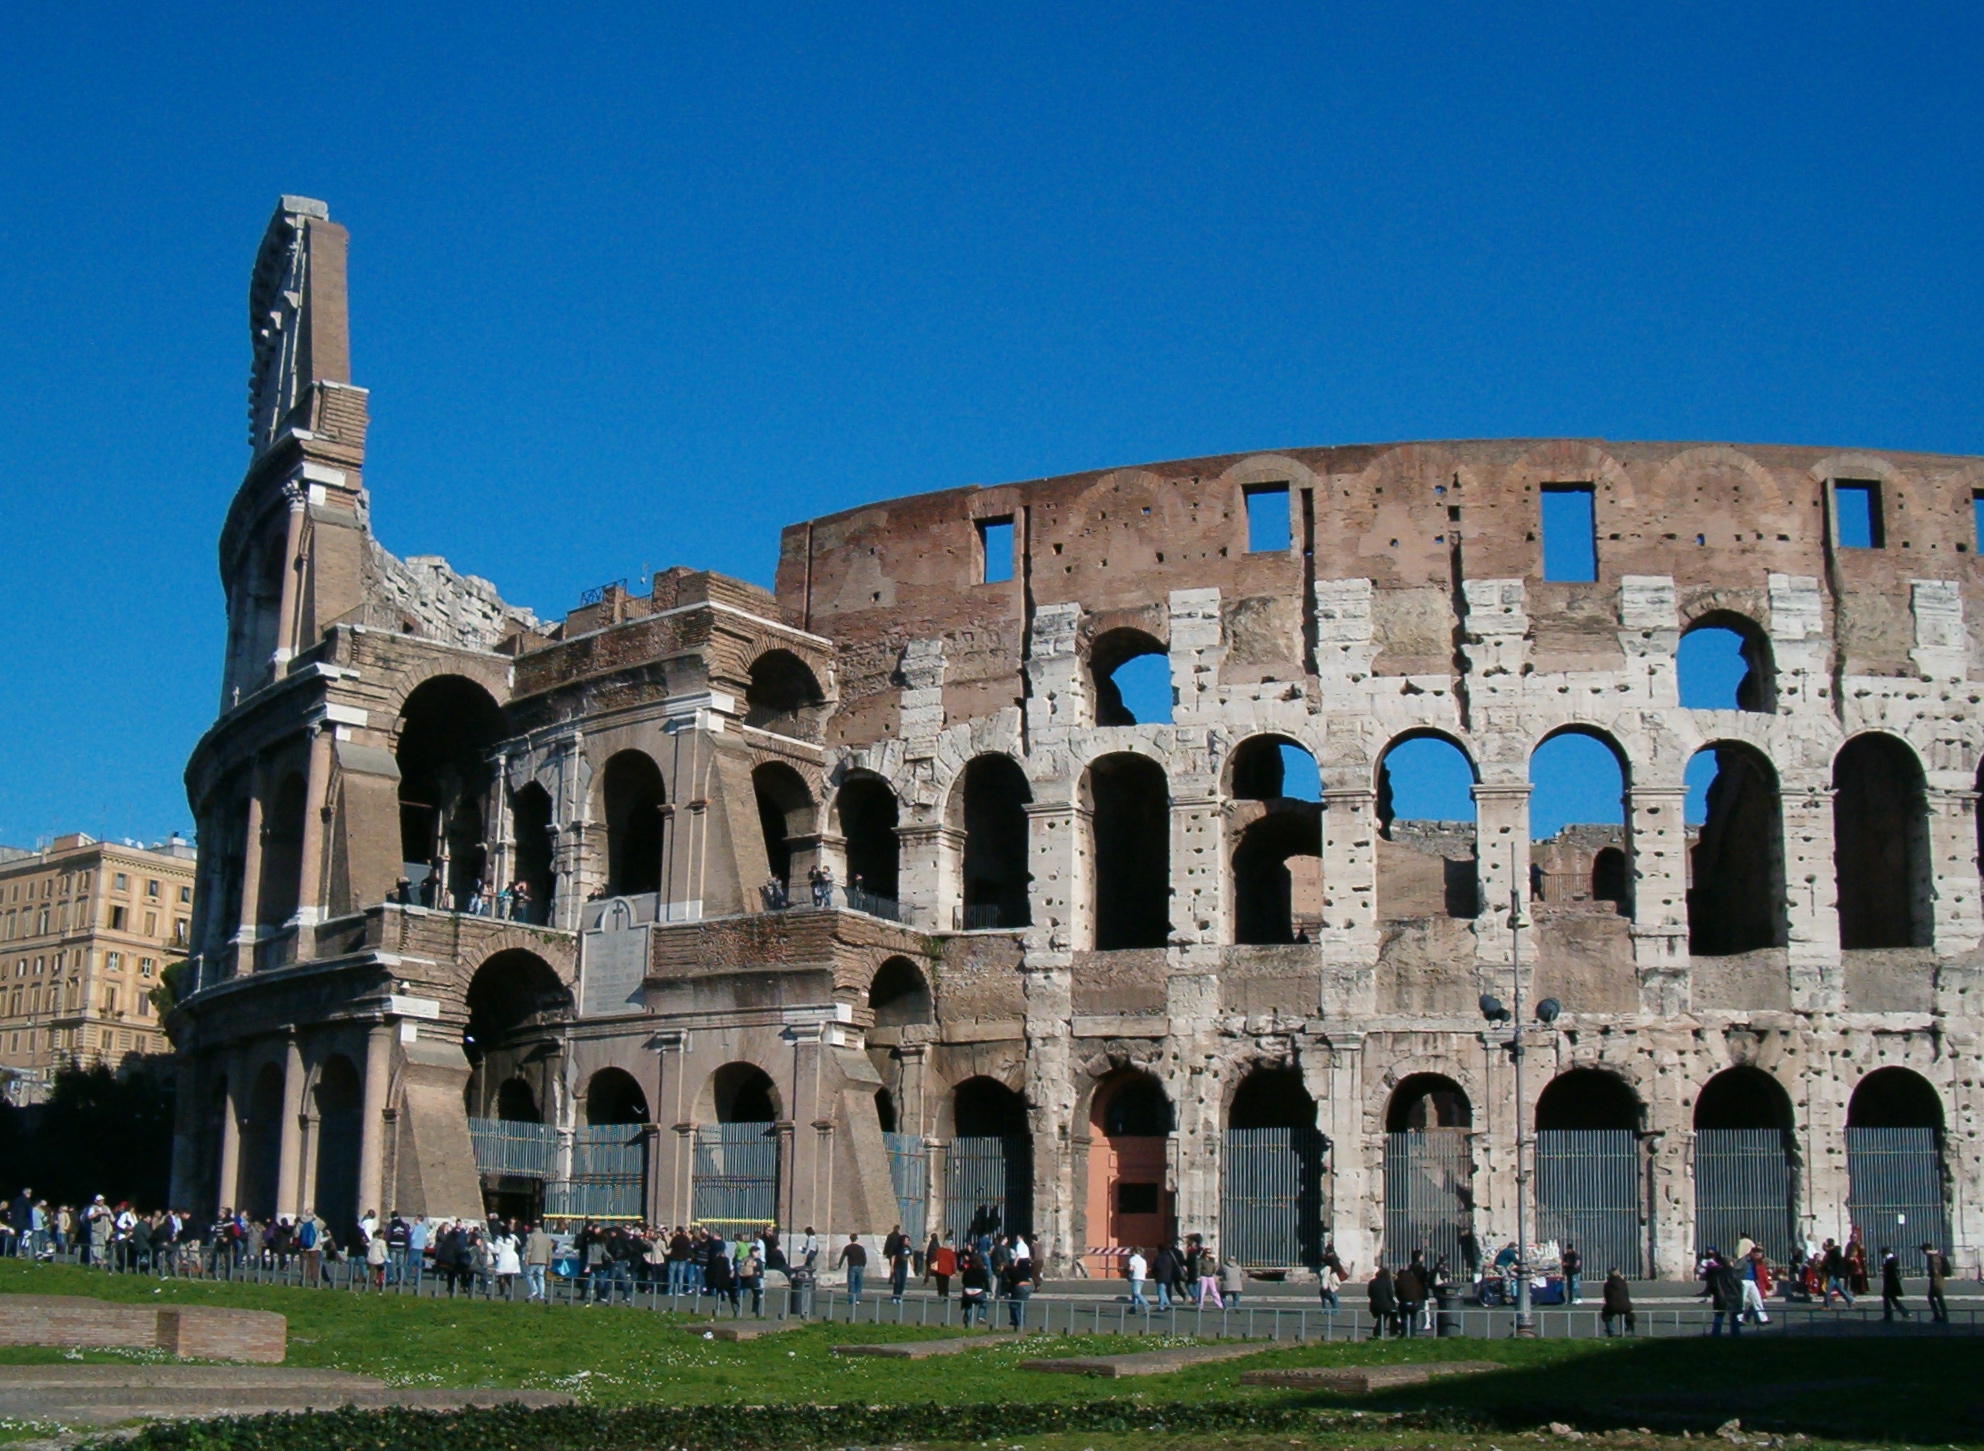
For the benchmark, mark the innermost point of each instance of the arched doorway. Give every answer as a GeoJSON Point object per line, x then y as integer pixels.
{"type": "Point", "coordinates": [867, 810]}
{"type": "Point", "coordinates": [1129, 1195]}
{"type": "Point", "coordinates": [535, 834]}
{"type": "Point", "coordinates": [1736, 866]}
{"type": "Point", "coordinates": [1898, 1189]}
{"type": "Point", "coordinates": [988, 1171]}
{"type": "Point", "coordinates": [1429, 1170]}
{"type": "Point", "coordinates": [1131, 677]}
{"type": "Point", "coordinates": [1880, 844]}
{"type": "Point", "coordinates": [633, 796]}
{"type": "Point", "coordinates": [899, 995]}
{"type": "Point", "coordinates": [261, 1146]}
{"type": "Point", "coordinates": [783, 695]}
{"type": "Point", "coordinates": [515, 1002]}
{"type": "Point", "coordinates": [991, 804]}
{"type": "Point", "coordinates": [1427, 858]}
{"type": "Point", "coordinates": [609, 1153]}
{"type": "Point", "coordinates": [785, 816]}
{"type": "Point", "coordinates": [338, 1102]}
{"type": "Point", "coordinates": [736, 1169]}
{"type": "Point", "coordinates": [1271, 1200]}
{"type": "Point", "coordinates": [447, 729]}
{"type": "Point", "coordinates": [1130, 845]}
{"type": "Point", "coordinates": [1745, 1177]}
{"type": "Point", "coordinates": [282, 854]}
{"type": "Point", "coordinates": [1589, 1181]}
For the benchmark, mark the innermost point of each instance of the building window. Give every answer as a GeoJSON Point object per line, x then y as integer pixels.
{"type": "Point", "coordinates": [1856, 513]}
{"type": "Point", "coordinates": [151, 924]}
{"type": "Point", "coordinates": [41, 923]}
{"type": "Point", "coordinates": [185, 896]}
{"type": "Point", "coordinates": [1570, 533]}
{"type": "Point", "coordinates": [146, 965]}
{"type": "Point", "coordinates": [123, 882]}
{"type": "Point", "coordinates": [995, 550]}
{"type": "Point", "coordinates": [113, 961]}
{"type": "Point", "coordinates": [179, 928]}
{"type": "Point", "coordinates": [1267, 518]}
{"type": "Point", "coordinates": [117, 915]}
{"type": "Point", "coordinates": [151, 888]}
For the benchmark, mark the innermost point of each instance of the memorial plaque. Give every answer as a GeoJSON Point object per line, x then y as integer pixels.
{"type": "Point", "coordinates": [616, 959]}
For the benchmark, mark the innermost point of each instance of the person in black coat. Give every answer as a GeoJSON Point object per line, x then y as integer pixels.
{"type": "Point", "coordinates": [1384, 1302]}
{"type": "Point", "coordinates": [1891, 1286]}
{"type": "Point", "coordinates": [1617, 1304]}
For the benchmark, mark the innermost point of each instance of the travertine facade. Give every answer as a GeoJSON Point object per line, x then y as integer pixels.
{"type": "Point", "coordinates": [1075, 932]}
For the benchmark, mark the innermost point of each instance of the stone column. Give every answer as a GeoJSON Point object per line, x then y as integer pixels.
{"type": "Point", "coordinates": [932, 877]}
{"type": "Point", "coordinates": [1192, 1004]}
{"type": "Point", "coordinates": [286, 617]}
{"type": "Point", "coordinates": [1200, 899]}
{"type": "Point", "coordinates": [290, 1158]}
{"type": "Point", "coordinates": [1349, 937]}
{"type": "Point", "coordinates": [1953, 869]}
{"type": "Point", "coordinates": [186, 1188]}
{"type": "Point", "coordinates": [498, 871]}
{"type": "Point", "coordinates": [251, 865]}
{"type": "Point", "coordinates": [672, 1161]}
{"type": "Point", "coordinates": [230, 1129]}
{"type": "Point", "coordinates": [809, 1187]}
{"type": "Point", "coordinates": [1356, 1185]}
{"type": "Point", "coordinates": [911, 1117]}
{"type": "Point", "coordinates": [1058, 858]}
{"type": "Point", "coordinates": [316, 818]}
{"type": "Point", "coordinates": [1501, 853]}
{"type": "Point", "coordinates": [372, 1123]}
{"type": "Point", "coordinates": [1050, 1097]}
{"type": "Point", "coordinates": [1656, 835]}
{"type": "Point", "coordinates": [1811, 892]}
{"type": "Point", "coordinates": [1670, 1168]}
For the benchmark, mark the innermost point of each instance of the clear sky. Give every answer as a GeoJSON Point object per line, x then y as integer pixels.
{"type": "Point", "coordinates": [635, 286]}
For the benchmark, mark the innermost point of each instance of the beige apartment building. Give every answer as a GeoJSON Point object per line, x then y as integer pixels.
{"type": "Point", "coordinates": [86, 929]}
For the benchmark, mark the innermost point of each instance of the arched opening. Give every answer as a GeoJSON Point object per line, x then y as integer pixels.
{"type": "Point", "coordinates": [1129, 1199]}
{"type": "Point", "coordinates": [1589, 1186]}
{"type": "Point", "coordinates": [631, 789]}
{"type": "Point", "coordinates": [1736, 865]}
{"type": "Point", "coordinates": [613, 1096]}
{"type": "Point", "coordinates": [885, 1113]}
{"type": "Point", "coordinates": [1724, 663]}
{"type": "Point", "coordinates": [988, 1173]}
{"type": "Point", "coordinates": [1271, 1198]}
{"type": "Point", "coordinates": [1429, 1172]}
{"type": "Point", "coordinates": [1880, 844]}
{"type": "Point", "coordinates": [1608, 876]}
{"type": "Point", "coordinates": [734, 1187]}
{"type": "Point", "coordinates": [282, 853]}
{"type": "Point", "coordinates": [535, 833]}
{"type": "Point", "coordinates": [447, 730]}
{"type": "Point", "coordinates": [1131, 673]}
{"type": "Point", "coordinates": [1426, 830]}
{"type": "Point", "coordinates": [994, 796]}
{"type": "Point", "coordinates": [338, 1100]}
{"type": "Point", "coordinates": [1898, 1186]}
{"type": "Point", "coordinates": [1576, 810]}
{"type": "Point", "coordinates": [785, 816]}
{"type": "Point", "coordinates": [1745, 1179]}
{"type": "Point", "coordinates": [514, 1000]}
{"type": "Point", "coordinates": [899, 995]}
{"type": "Point", "coordinates": [867, 809]}
{"type": "Point", "coordinates": [516, 1102]}
{"type": "Point", "coordinates": [1277, 852]}
{"type": "Point", "coordinates": [261, 1146]}
{"type": "Point", "coordinates": [783, 689]}
{"type": "Point", "coordinates": [1130, 847]}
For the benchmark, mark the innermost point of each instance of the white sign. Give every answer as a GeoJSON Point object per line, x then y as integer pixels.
{"type": "Point", "coordinates": [414, 1007]}
{"type": "Point", "coordinates": [616, 961]}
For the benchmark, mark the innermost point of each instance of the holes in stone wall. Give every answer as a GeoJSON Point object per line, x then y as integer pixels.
{"type": "Point", "coordinates": [1724, 663]}
{"type": "Point", "coordinates": [1736, 899]}
{"type": "Point", "coordinates": [1132, 679]}
{"type": "Point", "coordinates": [1130, 851]}
{"type": "Point", "coordinates": [1880, 844]}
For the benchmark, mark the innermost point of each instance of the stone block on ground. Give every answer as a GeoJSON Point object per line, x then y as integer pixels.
{"type": "Point", "coordinates": [1357, 1380]}
{"type": "Point", "coordinates": [1143, 1362]}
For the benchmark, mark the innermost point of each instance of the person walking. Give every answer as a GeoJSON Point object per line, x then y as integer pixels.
{"type": "Point", "coordinates": [1382, 1296]}
{"type": "Point", "coordinates": [1756, 1286]}
{"type": "Point", "coordinates": [1016, 1284]}
{"type": "Point", "coordinates": [1833, 1270]}
{"type": "Point", "coordinates": [1891, 1286]}
{"type": "Point", "coordinates": [896, 1252]}
{"type": "Point", "coordinates": [1135, 1268]}
{"type": "Point", "coordinates": [1232, 1281]}
{"type": "Point", "coordinates": [1165, 1270]}
{"type": "Point", "coordinates": [974, 1287]}
{"type": "Point", "coordinates": [1725, 1294]}
{"type": "Point", "coordinates": [1572, 1264]}
{"type": "Point", "coordinates": [751, 1276]}
{"type": "Point", "coordinates": [1939, 1273]}
{"type": "Point", "coordinates": [375, 1262]}
{"type": "Point", "coordinates": [1334, 1273]}
{"type": "Point", "coordinates": [943, 1263]}
{"type": "Point", "coordinates": [538, 1249]}
{"type": "Point", "coordinates": [1206, 1267]}
{"type": "Point", "coordinates": [854, 1257]}
{"type": "Point", "coordinates": [1616, 1304]}
{"type": "Point", "coordinates": [508, 1264]}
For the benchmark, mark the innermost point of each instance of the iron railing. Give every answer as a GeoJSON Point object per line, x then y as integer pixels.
{"type": "Point", "coordinates": [909, 1170]}
{"type": "Point", "coordinates": [1895, 1190]}
{"type": "Point", "coordinates": [1589, 1194]}
{"type": "Point", "coordinates": [1743, 1187]}
{"type": "Point", "coordinates": [1428, 1194]}
{"type": "Point", "coordinates": [1271, 1197]}
{"type": "Point", "coordinates": [735, 1187]}
{"type": "Point", "coordinates": [988, 1186]}
{"type": "Point", "coordinates": [859, 899]}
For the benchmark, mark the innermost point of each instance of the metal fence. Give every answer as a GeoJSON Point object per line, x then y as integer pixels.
{"type": "Point", "coordinates": [1271, 1197]}
{"type": "Point", "coordinates": [859, 899]}
{"type": "Point", "coordinates": [609, 1175]}
{"type": "Point", "coordinates": [988, 1186]}
{"type": "Point", "coordinates": [505, 1146]}
{"type": "Point", "coordinates": [909, 1170]}
{"type": "Point", "coordinates": [1743, 1186]}
{"type": "Point", "coordinates": [1895, 1190]}
{"type": "Point", "coordinates": [1428, 1194]}
{"type": "Point", "coordinates": [736, 1176]}
{"type": "Point", "coordinates": [1589, 1193]}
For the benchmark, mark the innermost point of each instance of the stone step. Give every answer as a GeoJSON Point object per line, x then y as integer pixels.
{"type": "Point", "coordinates": [1144, 1362]}
{"type": "Point", "coordinates": [1357, 1380]}
{"type": "Point", "coordinates": [71, 1407]}
{"type": "Point", "coordinates": [225, 1377]}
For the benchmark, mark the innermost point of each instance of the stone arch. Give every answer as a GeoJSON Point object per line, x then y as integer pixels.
{"type": "Point", "coordinates": [1109, 652]}
{"type": "Point", "coordinates": [866, 812]}
{"type": "Point", "coordinates": [1574, 461]}
{"type": "Point", "coordinates": [534, 829]}
{"type": "Point", "coordinates": [787, 815]}
{"type": "Point", "coordinates": [1881, 843]}
{"type": "Point", "coordinates": [1129, 800]}
{"type": "Point", "coordinates": [988, 802]}
{"type": "Point", "coordinates": [1894, 1098]}
{"type": "Point", "coordinates": [1273, 1207]}
{"type": "Point", "coordinates": [899, 995]}
{"type": "Point", "coordinates": [447, 731]}
{"type": "Point", "coordinates": [1429, 868]}
{"type": "Point", "coordinates": [739, 1092]}
{"type": "Point", "coordinates": [281, 883]}
{"type": "Point", "coordinates": [783, 694]}
{"type": "Point", "coordinates": [1736, 894]}
{"type": "Point", "coordinates": [1131, 1119]}
{"type": "Point", "coordinates": [1669, 482]}
{"type": "Point", "coordinates": [1588, 1098]}
{"type": "Point", "coordinates": [337, 1099]}
{"type": "Point", "coordinates": [988, 1186]}
{"type": "Point", "coordinates": [615, 1096]}
{"type": "Point", "coordinates": [632, 799]}
{"type": "Point", "coordinates": [514, 1001]}
{"type": "Point", "coordinates": [1755, 691]}
{"type": "Point", "coordinates": [516, 1101]}
{"type": "Point", "coordinates": [1746, 1179]}
{"type": "Point", "coordinates": [1425, 1100]}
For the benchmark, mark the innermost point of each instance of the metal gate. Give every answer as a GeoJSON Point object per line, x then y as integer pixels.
{"type": "Point", "coordinates": [1589, 1194]}
{"type": "Point", "coordinates": [1895, 1190]}
{"type": "Point", "coordinates": [988, 1186]}
{"type": "Point", "coordinates": [735, 1188]}
{"type": "Point", "coordinates": [1271, 1197]}
{"type": "Point", "coordinates": [1428, 1194]}
{"type": "Point", "coordinates": [513, 1148]}
{"type": "Point", "coordinates": [609, 1175]}
{"type": "Point", "coordinates": [909, 1170]}
{"type": "Point", "coordinates": [1743, 1186]}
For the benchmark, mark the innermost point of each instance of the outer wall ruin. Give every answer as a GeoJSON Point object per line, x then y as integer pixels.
{"type": "Point", "coordinates": [1097, 977]}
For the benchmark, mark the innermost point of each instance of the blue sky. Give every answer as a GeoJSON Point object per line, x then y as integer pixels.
{"type": "Point", "coordinates": [637, 285]}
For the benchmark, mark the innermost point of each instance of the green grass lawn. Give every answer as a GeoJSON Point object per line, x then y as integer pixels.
{"type": "Point", "coordinates": [1836, 1389]}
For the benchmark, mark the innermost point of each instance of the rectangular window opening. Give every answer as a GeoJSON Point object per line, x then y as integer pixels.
{"type": "Point", "coordinates": [1137, 1198]}
{"type": "Point", "coordinates": [1267, 518]}
{"type": "Point", "coordinates": [1977, 518]}
{"type": "Point", "coordinates": [1570, 534]}
{"type": "Point", "coordinates": [995, 550]}
{"type": "Point", "coordinates": [1856, 511]}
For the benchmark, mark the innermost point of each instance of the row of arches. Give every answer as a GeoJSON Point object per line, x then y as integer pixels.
{"type": "Point", "coordinates": [333, 1106]}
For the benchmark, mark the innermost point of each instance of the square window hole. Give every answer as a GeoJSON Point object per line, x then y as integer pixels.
{"type": "Point", "coordinates": [1267, 518]}
{"type": "Point", "coordinates": [995, 550]}
{"type": "Point", "coordinates": [1570, 541]}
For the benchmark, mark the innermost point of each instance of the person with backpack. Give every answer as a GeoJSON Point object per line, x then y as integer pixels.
{"type": "Point", "coordinates": [1939, 1274]}
{"type": "Point", "coordinates": [309, 1246]}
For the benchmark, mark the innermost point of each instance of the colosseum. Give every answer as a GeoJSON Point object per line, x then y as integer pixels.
{"type": "Point", "coordinates": [882, 896]}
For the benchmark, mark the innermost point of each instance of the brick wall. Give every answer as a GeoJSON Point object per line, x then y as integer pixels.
{"type": "Point", "coordinates": [190, 1332]}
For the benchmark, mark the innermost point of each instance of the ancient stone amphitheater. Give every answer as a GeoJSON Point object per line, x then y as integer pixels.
{"type": "Point", "coordinates": [1098, 962]}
